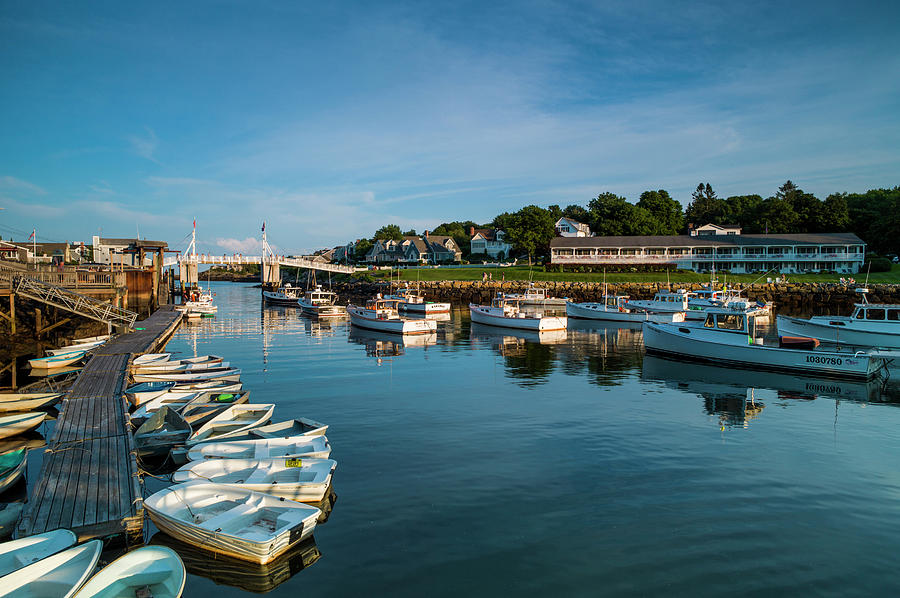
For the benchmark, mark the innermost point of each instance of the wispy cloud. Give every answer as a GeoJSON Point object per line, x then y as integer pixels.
{"type": "Point", "coordinates": [15, 185]}
{"type": "Point", "coordinates": [145, 145]}
{"type": "Point", "coordinates": [246, 246]}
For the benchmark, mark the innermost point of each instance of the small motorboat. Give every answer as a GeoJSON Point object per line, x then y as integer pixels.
{"type": "Point", "coordinates": [286, 295]}
{"type": "Point", "coordinates": [535, 296]}
{"type": "Point", "coordinates": [140, 393]}
{"type": "Point", "coordinates": [304, 480]}
{"type": "Point", "coordinates": [507, 313]}
{"type": "Point", "coordinates": [296, 447]}
{"type": "Point", "coordinates": [233, 421]}
{"type": "Point", "coordinates": [10, 425]}
{"type": "Point", "coordinates": [11, 402]}
{"type": "Point", "coordinates": [321, 304]}
{"type": "Point", "coordinates": [57, 361]}
{"type": "Point", "coordinates": [148, 358]}
{"type": "Point", "coordinates": [208, 405]}
{"type": "Point", "coordinates": [662, 302]}
{"type": "Point", "coordinates": [612, 308]}
{"type": "Point", "coordinates": [59, 575]}
{"type": "Point", "coordinates": [413, 302]}
{"type": "Point", "coordinates": [232, 521]}
{"type": "Point", "coordinates": [151, 571]}
{"type": "Point", "coordinates": [156, 436]}
{"type": "Point", "coordinates": [16, 554]}
{"type": "Point", "coordinates": [383, 315]}
{"type": "Point", "coordinates": [229, 375]}
{"type": "Point", "coordinates": [12, 466]}
{"type": "Point", "coordinates": [9, 517]}
{"type": "Point", "coordinates": [178, 399]}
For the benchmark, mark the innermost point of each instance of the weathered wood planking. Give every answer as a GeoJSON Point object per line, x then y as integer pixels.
{"type": "Point", "coordinates": [89, 480]}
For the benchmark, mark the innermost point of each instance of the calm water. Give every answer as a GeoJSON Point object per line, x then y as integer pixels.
{"type": "Point", "coordinates": [478, 462]}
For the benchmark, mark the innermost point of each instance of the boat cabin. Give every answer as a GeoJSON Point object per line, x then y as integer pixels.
{"type": "Point", "coordinates": [383, 306]}
{"type": "Point", "coordinates": [615, 301]}
{"type": "Point", "coordinates": [875, 311]}
{"type": "Point", "coordinates": [319, 297]}
{"type": "Point", "coordinates": [737, 317]}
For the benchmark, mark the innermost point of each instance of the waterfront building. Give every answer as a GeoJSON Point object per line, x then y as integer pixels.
{"type": "Point", "coordinates": [728, 251]}
{"type": "Point", "coordinates": [489, 242]}
{"type": "Point", "coordinates": [126, 252]}
{"type": "Point", "coordinates": [566, 227]}
{"type": "Point", "coordinates": [427, 249]}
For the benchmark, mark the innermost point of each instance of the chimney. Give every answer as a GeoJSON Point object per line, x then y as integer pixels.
{"type": "Point", "coordinates": [426, 234]}
{"type": "Point", "coordinates": [471, 231]}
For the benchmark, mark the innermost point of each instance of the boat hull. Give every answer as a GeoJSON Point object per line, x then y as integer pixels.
{"type": "Point", "coordinates": [279, 299]}
{"type": "Point", "coordinates": [426, 308]}
{"type": "Point", "coordinates": [359, 318]}
{"type": "Point", "coordinates": [322, 311]}
{"type": "Point", "coordinates": [844, 331]}
{"type": "Point", "coordinates": [687, 343]}
{"type": "Point", "coordinates": [599, 311]}
{"type": "Point", "coordinates": [544, 323]}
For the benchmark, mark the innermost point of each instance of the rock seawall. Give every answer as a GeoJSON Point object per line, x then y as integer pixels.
{"type": "Point", "coordinates": [812, 298]}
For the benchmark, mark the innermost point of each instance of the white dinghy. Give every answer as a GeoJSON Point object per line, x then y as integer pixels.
{"type": "Point", "coordinates": [179, 399]}
{"type": "Point", "coordinates": [286, 429]}
{"type": "Point", "coordinates": [20, 553]}
{"type": "Point", "coordinates": [74, 348]}
{"type": "Point", "coordinates": [305, 480]}
{"type": "Point", "coordinates": [233, 421]}
{"type": "Point", "coordinates": [154, 571]}
{"type": "Point", "coordinates": [148, 358]}
{"type": "Point", "coordinates": [11, 402]}
{"type": "Point", "coordinates": [10, 425]}
{"type": "Point", "coordinates": [57, 576]}
{"type": "Point", "coordinates": [230, 375]}
{"type": "Point", "coordinates": [239, 523]}
{"type": "Point", "coordinates": [298, 447]}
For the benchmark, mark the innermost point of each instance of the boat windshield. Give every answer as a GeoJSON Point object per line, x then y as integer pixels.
{"type": "Point", "coordinates": [730, 322]}
{"type": "Point", "coordinates": [875, 313]}
{"type": "Point", "coordinates": [893, 314]}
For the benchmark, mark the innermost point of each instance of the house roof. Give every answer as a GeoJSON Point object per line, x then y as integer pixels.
{"type": "Point", "coordinates": [719, 226]}
{"type": "Point", "coordinates": [579, 225]}
{"type": "Point", "coordinates": [441, 241]}
{"type": "Point", "coordinates": [133, 242]}
{"type": "Point", "coordinates": [721, 240]}
{"type": "Point", "coordinates": [418, 242]}
{"type": "Point", "coordinates": [488, 234]}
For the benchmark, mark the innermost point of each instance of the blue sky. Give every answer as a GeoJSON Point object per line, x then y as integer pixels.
{"type": "Point", "coordinates": [328, 120]}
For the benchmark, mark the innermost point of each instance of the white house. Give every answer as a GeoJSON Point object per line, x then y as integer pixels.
{"type": "Point", "coordinates": [488, 241]}
{"type": "Point", "coordinates": [566, 227]}
{"type": "Point", "coordinates": [715, 229]}
{"type": "Point", "coordinates": [737, 253]}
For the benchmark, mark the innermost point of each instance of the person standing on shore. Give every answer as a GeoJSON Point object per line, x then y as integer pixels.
{"type": "Point", "coordinates": [483, 276]}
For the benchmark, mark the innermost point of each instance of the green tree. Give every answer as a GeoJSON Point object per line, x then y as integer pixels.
{"type": "Point", "coordinates": [362, 248]}
{"type": "Point", "coordinates": [389, 232]}
{"type": "Point", "coordinates": [742, 210]}
{"type": "Point", "coordinates": [775, 215]}
{"type": "Point", "coordinates": [555, 212]}
{"type": "Point", "coordinates": [410, 233]}
{"type": "Point", "coordinates": [529, 230]}
{"type": "Point", "coordinates": [459, 230]}
{"type": "Point", "coordinates": [705, 207]}
{"type": "Point", "coordinates": [577, 213]}
{"type": "Point", "coordinates": [835, 216]}
{"type": "Point", "coordinates": [666, 214]}
{"type": "Point", "coordinates": [613, 215]}
{"type": "Point", "coordinates": [806, 206]}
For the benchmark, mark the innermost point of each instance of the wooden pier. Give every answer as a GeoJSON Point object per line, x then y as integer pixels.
{"type": "Point", "coordinates": [89, 480]}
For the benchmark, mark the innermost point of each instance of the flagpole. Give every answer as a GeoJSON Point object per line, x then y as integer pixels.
{"type": "Point", "coordinates": [34, 244]}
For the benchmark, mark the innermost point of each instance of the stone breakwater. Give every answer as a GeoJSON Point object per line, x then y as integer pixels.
{"type": "Point", "coordinates": [811, 298]}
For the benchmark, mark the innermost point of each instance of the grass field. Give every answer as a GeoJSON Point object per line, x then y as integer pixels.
{"type": "Point", "coordinates": [536, 273]}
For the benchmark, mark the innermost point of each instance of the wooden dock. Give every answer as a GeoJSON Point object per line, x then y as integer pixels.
{"type": "Point", "coordinates": [89, 481]}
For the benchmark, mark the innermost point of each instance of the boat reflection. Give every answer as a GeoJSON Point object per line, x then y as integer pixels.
{"type": "Point", "coordinates": [528, 355]}
{"type": "Point", "coordinates": [383, 344]}
{"type": "Point", "coordinates": [608, 351]}
{"type": "Point", "coordinates": [704, 378]}
{"type": "Point", "coordinates": [512, 338]}
{"type": "Point", "coordinates": [251, 577]}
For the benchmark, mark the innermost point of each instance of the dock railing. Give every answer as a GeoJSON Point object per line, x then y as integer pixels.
{"type": "Point", "coordinates": [64, 298]}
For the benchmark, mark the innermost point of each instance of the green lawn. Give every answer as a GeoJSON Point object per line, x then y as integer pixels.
{"type": "Point", "coordinates": [537, 273]}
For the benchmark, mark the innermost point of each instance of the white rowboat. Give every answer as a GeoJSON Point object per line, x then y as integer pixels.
{"type": "Point", "coordinates": [10, 425]}
{"type": "Point", "coordinates": [20, 553]}
{"type": "Point", "coordinates": [57, 576]}
{"type": "Point", "coordinates": [234, 421]}
{"type": "Point", "coordinates": [156, 570]}
{"type": "Point", "coordinates": [297, 447]}
{"type": "Point", "coordinates": [304, 480]}
{"type": "Point", "coordinates": [223, 375]}
{"type": "Point", "coordinates": [11, 401]}
{"type": "Point", "coordinates": [232, 521]}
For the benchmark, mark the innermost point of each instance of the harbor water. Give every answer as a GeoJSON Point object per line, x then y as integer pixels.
{"type": "Point", "coordinates": [488, 462]}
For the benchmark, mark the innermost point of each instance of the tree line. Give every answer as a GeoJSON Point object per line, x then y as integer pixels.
{"type": "Point", "coordinates": [874, 216]}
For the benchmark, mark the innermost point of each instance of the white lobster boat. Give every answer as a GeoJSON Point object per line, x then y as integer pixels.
{"type": "Point", "coordinates": [506, 312]}
{"type": "Point", "coordinates": [728, 337]}
{"type": "Point", "coordinates": [414, 302]}
{"type": "Point", "coordinates": [320, 304]}
{"type": "Point", "coordinates": [613, 309]}
{"type": "Point", "coordinates": [286, 295]}
{"type": "Point", "coordinates": [304, 480]}
{"type": "Point", "coordinates": [232, 521]}
{"type": "Point", "coordinates": [383, 315]}
{"type": "Point", "coordinates": [296, 447]}
{"type": "Point", "coordinates": [663, 302]}
{"type": "Point", "coordinates": [870, 325]}
{"type": "Point", "coordinates": [537, 296]}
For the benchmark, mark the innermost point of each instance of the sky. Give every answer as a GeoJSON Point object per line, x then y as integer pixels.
{"type": "Point", "coordinates": [328, 120]}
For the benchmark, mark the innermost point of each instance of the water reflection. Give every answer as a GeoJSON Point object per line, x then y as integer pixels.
{"type": "Point", "coordinates": [382, 344]}
{"type": "Point", "coordinates": [704, 378]}
{"type": "Point", "coordinates": [245, 575]}
{"type": "Point", "coordinates": [609, 352]}
{"type": "Point", "coordinates": [527, 355]}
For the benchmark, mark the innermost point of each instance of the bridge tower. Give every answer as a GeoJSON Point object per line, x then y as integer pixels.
{"type": "Point", "coordinates": [269, 268]}
{"type": "Point", "coordinates": [187, 268]}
